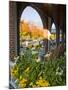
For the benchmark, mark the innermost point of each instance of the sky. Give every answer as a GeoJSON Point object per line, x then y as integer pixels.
{"type": "Point", "coordinates": [53, 28]}
{"type": "Point", "coordinates": [32, 16]}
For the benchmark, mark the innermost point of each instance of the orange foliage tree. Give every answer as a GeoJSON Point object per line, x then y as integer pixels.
{"type": "Point", "coordinates": [32, 30]}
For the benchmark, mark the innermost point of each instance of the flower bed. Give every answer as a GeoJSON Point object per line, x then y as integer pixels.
{"type": "Point", "coordinates": [29, 72]}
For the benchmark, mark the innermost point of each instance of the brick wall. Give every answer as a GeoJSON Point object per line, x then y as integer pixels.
{"type": "Point", "coordinates": [12, 30]}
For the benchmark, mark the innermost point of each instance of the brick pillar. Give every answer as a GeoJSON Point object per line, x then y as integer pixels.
{"type": "Point", "coordinates": [12, 30]}
{"type": "Point", "coordinates": [49, 28]}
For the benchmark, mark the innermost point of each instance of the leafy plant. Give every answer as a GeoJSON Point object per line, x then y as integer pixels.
{"type": "Point", "coordinates": [52, 71]}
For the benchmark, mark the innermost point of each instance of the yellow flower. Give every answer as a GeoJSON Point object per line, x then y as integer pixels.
{"type": "Point", "coordinates": [23, 80]}
{"type": "Point", "coordinates": [27, 69]}
{"type": "Point", "coordinates": [23, 83]}
{"type": "Point", "coordinates": [31, 84]}
{"type": "Point", "coordinates": [14, 71]}
{"type": "Point", "coordinates": [42, 83]}
{"type": "Point", "coordinates": [20, 77]}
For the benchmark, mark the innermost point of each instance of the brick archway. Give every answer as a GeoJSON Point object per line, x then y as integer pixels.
{"type": "Point", "coordinates": [46, 12]}
{"type": "Point", "coordinates": [20, 8]}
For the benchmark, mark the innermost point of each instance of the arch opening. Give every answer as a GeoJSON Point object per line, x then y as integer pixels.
{"type": "Point", "coordinates": [31, 15]}
{"type": "Point", "coordinates": [53, 36]}
{"type": "Point", "coordinates": [32, 31]}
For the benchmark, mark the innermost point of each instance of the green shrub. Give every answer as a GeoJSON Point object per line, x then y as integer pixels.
{"type": "Point", "coordinates": [54, 70]}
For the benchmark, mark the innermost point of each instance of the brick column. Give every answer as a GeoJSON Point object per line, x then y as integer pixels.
{"type": "Point", "coordinates": [12, 30]}
{"type": "Point", "coordinates": [49, 28]}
